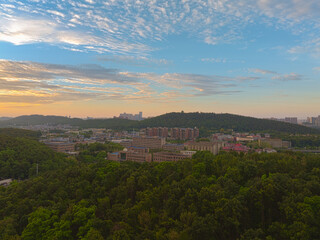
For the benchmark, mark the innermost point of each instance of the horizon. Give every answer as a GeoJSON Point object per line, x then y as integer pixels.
{"type": "Point", "coordinates": [100, 58]}
{"type": "Point", "coordinates": [151, 116]}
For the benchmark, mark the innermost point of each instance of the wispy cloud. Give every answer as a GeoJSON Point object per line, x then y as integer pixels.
{"type": "Point", "coordinates": [261, 71]}
{"type": "Point", "coordinates": [135, 60]}
{"type": "Point", "coordinates": [316, 68]}
{"type": "Point", "coordinates": [289, 77]}
{"type": "Point", "coordinates": [214, 60]}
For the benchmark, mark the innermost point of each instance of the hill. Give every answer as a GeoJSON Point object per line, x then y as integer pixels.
{"type": "Point", "coordinates": [56, 120]}
{"type": "Point", "coordinates": [15, 132]}
{"type": "Point", "coordinates": [213, 121]}
{"type": "Point", "coordinates": [19, 157]}
{"type": "Point", "coordinates": [206, 122]}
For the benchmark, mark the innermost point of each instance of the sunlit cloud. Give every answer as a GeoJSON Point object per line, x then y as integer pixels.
{"type": "Point", "coordinates": [46, 83]}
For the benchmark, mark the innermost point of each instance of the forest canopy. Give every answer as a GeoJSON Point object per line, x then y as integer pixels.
{"type": "Point", "coordinates": [228, 196]}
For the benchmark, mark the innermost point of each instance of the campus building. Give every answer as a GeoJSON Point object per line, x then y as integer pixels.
{"type": "Point", "coordinates": [173, 147]}
{"type": "Point", "coordinates": [64, 147]}
{"type": "Point", "coordinates": [169, 156]}
{"type": "Point", "coordinates": [213, 147]}
{"type": "Point", "coordinates": [135, 154]}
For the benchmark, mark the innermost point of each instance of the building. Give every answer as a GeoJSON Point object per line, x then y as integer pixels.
{"type": "Point", "coordinates": [173, 147]}
{"type": "Point", "coordinates": [235, 147]}
{"type": "Point", "coordinates": [5, 182]}
{"type": "Point", "coordinates": [149, 142]}
{"type": "Point", "coordinates": [292, 120]}
{"type": "Point", "coordinates": [173, 133]}
{"type": "Point", "coordinates": [169, 157]}
{"type": "Point", "coordinates": [64, 147]}
{"type": "Point", "coordinates": [130, 116]}
{"type": "Point", "coordinates": [213, 147]}
{"type": "Point", "coordinates": [135, 154]}
{"type": "Point", "coordinates": [188, 153]}
{"type": "Point", "coordinates": [126, 143]}
{"type": "Point", "coordinates": [157, 132]}
{"type": "Point", "coordinates": [184, 133]}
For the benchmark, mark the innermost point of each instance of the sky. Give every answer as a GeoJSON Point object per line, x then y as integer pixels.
{"type": "Point", "coordinates": [99, 58]}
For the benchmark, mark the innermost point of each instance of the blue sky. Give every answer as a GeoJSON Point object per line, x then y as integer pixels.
{"type": "Point", "coordinates": [99, 58]}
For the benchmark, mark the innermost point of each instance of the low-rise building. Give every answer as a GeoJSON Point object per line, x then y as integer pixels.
{"type": "Point", "coordinates": [213, 147]}
{"type": "Point", "coordinates": [173, 147]}
{"type": "Point", "coordinates": [168, 157]}
{"type": "Point", "coordinates": [188, 153]}
{"type": "Point", "coordinates": [235, 147]}
{"type": "Point", "coordinates": [5, 182]}
{"type": "Point", "coordinates": [136, 154]}
{"type": "Point", "coordinates": [64, 147]}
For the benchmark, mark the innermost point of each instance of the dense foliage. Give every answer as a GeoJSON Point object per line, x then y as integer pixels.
{"type": "Point", "coordinates": [113, 123]}
{"type": "Point", "coordinates": [15, 132]}
{"type": "Point", "coordinates": [96, 151]}
{"type": "Point", "coordinates": [309, 142]}
{"type": "Point", "coordinates": [229, 196]}
{"type": "Point", "coordinates": [206, 122]}
{"type": "Point", "coordinates": [19, 157]}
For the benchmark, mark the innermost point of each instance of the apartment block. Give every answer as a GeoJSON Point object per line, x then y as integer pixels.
{"type": "Point", "coordinates": [149, 142]}
{"type": "Point", "coordinates": [174, 133]}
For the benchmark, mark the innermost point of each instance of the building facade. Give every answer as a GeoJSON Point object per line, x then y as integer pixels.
{"type": "Point", "coordinates": [168, 156]}
{"type": "Point", "coordinates": [64, 147]}
{"type": "Point", "coordinates": [213, 147]}
{"type": "Point", "coordinates": [135, 154]}
{"type": "Point", "coordinates": [173, 147]}
{"type": "Point", "coordinates": [149, 142]}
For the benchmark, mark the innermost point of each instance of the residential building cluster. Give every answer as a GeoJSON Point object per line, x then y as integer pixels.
{"type": "Point", "coordinates": [130, 116]}
{"type": "Point", "coordinates": [173, 133]}
{"type": "Point", "coordinates": [293, 120]}
{"type": "Point", "coordinates": [313, 121]}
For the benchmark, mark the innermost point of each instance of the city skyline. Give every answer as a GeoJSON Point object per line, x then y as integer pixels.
{"type": "Point", "coordinates": [102, 58]}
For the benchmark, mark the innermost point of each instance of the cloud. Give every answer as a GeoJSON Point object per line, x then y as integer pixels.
{"type": "Point", "coordinates": [125, 27]}
{"type": "Point", "coordinates": [261, 71]}
{"type": "Point", "coordinates": [21, 31]}
{"type": "Point", "coordinates": [214, 60]}
{"type": "Point", "coordinates": [316, 68]}
{"type": "Point", "coordinates": [311, 47]}
{"type": "Point", "coordinates": [47, 83]}
{"type": "Point", "coordinates": [139, 61]}
{"type": "Point", "coordinates": [289, 77]}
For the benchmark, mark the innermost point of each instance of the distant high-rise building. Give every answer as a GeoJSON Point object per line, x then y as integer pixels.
{"type": "Point", "coordinates": [292, 120]}
{"type": "Point", "coordinates": [130, 116]}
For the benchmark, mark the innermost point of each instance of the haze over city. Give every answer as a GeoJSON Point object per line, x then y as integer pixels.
{"type": "Point", "coordinates": [101, 58]}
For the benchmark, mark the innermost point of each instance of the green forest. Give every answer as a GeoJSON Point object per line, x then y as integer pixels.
{"type": "Point", "coordinates": [227, 196]}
